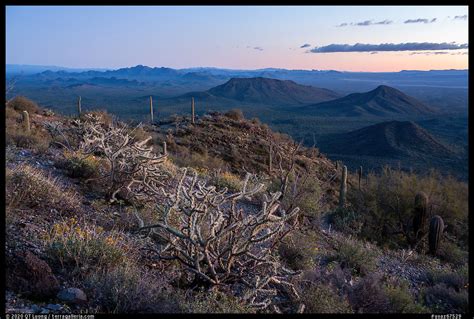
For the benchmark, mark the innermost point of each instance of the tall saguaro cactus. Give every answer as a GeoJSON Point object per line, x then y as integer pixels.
{"type": "Point", "coordinates": [26, 121]}
{"type": "Point", "coordinates": [342, 195]}
{"type": "Point", "coordinates": [421, 212]}
{"type": "Point", "coordinates": [270, 159]}
{"type": "Point", "coordinates": [79, 106]}
{"type": "Point", "coordinates": [436, 233]}
{"type": "Point", "coordinates": [360, 175]}
{"type": "Point", "coordinates": [165, 150]}
{"type": "Point", "coordinates": [151, 108]}
{"type": "Point", "coordinates": [192, 109]}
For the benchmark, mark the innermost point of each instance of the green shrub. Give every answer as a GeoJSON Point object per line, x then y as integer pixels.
{"type": "Point", "coordinates": [319, 298]}
{"type": "Point", "coordinates": [21, 103]}
{"type": "Point", "coordinates": [353, 254]}
{"type": "Point", "coordinates": [226, 179]}
{"type": "Point", "coordinates": [443, 299]}
{"type": "Point", "coordinates": [298, 250]}
{"type": "Point", "coordinates": [451, 253]}
{"type": "Point", "coordinates": [129, 289]}
{"type": "Point", "coordinates": [235, 114]}
{"type": "Point", "coordinates": [79, 166]}
{"type": "Point", "coordinates": [402, 301]}
{"type": "Point", "coordinates": [83, 247]}
{"type": "Point", "coordinates": [215, 302]}
{"type": "Point", "coordinates": [30, 187]}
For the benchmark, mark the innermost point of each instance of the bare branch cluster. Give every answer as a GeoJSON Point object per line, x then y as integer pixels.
{"type": "Point", "coordinates": [210, 234]}
{"type": "Point", "coordinates": [132, 166]}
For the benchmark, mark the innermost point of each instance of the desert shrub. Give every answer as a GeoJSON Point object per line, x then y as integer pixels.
{"type": "Point", "coordinates": [369, 296]}
{"type": "Point", "coordinates": [37, 139]}
{"type": "Point", "coordinates": [187, 158]}
{"type": "Point", "coordinates": [21, 103]}
{"type": "Point", "coordinates": [82, 247]}
{"type": "Point", "coordinates": [457, 280]}
{"type": "Point", "coordinates": [235, 114]}
{"type": "Point", "coordinates": [130, 289]}
{"type": "Point", "coordinates": [298, 250]}
{"type": "Point", "coordinates": [80, 166]}
{"type": "Point", "coordinates": [451, 253]}
{"type": "Point", "coordinates": [30, 187]}
{"type": "Point", "coordinates": [319, 298]}
{"type": "Point", "coordinates": [351, 253]}
{"type": "Point", "coordinates": [215, 302]}
{"type": "Point", "coordinates": [402, 301]}
{"type": "Point", "coordinates": [226, 179]}
{"type": "Point", "coordinates": [385, 206]}
{"type": "Point", "coordinates": [441, 298]}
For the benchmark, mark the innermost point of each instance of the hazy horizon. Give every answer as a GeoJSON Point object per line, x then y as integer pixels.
{"type": "Point", "coordinates": [213, 67]}
{"type": "Point", "coordinates": [342, 38]}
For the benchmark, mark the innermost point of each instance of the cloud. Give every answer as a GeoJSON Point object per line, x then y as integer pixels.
{"type": "Point", "coordinates": [306, 45]}
{"type": "Point", "coordinates": [375, 52]}
{"type": "Point", "coordinates": [419, 20]}
{"type": "Point", "coordinates": [430, 53]}
{"type": "Point", "coordinates": [464, 17]}
{"type": "Point", "coordinates": [410, 46]}
{"type": "Point", "coordinates": [365, 23]}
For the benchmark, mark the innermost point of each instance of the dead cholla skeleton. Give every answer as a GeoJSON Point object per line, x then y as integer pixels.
{"type": "Point", "coordinates": [132, 165]}
{"type": "Point", "coordinates": [205, 231]}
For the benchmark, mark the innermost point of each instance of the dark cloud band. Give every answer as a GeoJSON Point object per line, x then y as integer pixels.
{"type": "Point", "coordinates": [419, 20]}
{"type": "Point", "coordinates": [365, 23]}
{"type": "Point", "coordinates": [411, 46]}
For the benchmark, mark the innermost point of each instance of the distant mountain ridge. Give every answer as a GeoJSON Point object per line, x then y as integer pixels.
{"type": "Point", "coordinates": [271, 91]}
{"type": "Point", "coordinates": [383, 101]}
{"type": "Point", "coordinates": [394, 139]}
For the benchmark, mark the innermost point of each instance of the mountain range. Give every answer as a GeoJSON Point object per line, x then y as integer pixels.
{"type": "Point", "coordinates": [383, 101]}
{"type": "Point", "coordinates": [261, 90]}
{"type": "Point", "coordinates": [394, 139]}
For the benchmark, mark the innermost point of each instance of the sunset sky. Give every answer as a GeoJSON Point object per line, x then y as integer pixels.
{"type": "Point", "coordinates": [374, 38]}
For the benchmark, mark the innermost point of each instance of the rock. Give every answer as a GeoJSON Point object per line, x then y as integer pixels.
{"type": "Point", "coordinates": [54, 307]}
{"type": "Point", "coordinates": [31, 276]}
{"type": "Point", "coordinates": [72, 295]}
{"type": "Point", "coordinates": [35, 308]}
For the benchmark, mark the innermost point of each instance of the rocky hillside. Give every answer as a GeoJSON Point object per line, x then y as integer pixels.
{"type": "Point", "coordinates": [101, 218]}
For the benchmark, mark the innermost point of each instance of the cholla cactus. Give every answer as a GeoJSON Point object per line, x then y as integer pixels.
{"type": "Point", "coordinates": [132, 165]}
{"type": "Point", "coordinates": [223, 245]}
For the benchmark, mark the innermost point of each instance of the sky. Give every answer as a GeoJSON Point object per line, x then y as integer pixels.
{"type": "Point", "coordinates": [344, 38]}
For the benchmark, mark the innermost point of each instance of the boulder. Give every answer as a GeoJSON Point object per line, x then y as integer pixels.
{"type": "Point", "coordinates": [72, 295]}
{"type": "Point", "coordinates": [31, 276]}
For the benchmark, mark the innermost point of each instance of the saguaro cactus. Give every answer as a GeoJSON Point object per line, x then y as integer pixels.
{"type": "Point", "coordinates": [337, 165]}
{"type": "Point", "coordinates": [342, 195]}
{"type": "Point", "coordinates": [436, 233]}
{"type": "Point", "coordinates": [192, 109]}
{"type": "Point", "coordinates": [151, 109]}
{"type": "Point", "coordinates": [79, 106]}
{"type": "Point", "coordinates": [270, 159]}
{"type": "Point", "coordinates": [360, 175]}
{"type": "Point", "coordinates": [26, 121]}
{"type": "Point", "coordinates": [420, 211]}
{"type": "Point", "coordinates": [165, 151]}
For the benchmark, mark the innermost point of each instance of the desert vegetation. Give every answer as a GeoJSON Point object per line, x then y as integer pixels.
{"type": "Point", "coordinates": [220, 215]}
